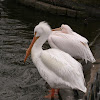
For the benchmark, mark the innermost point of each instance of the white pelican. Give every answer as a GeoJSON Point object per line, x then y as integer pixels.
{"type": "Point", "coordinates": [56, 67]}
{"type": "Point", "coordinates": [71, 42]}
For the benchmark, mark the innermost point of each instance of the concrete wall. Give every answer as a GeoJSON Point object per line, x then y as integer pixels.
{"type": "Point", "coordinates": [94, 3]}
{"type": "Point", "coordinates": [72, 8]}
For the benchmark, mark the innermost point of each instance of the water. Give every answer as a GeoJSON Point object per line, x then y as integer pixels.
{"type": "Point", "coordinates": [19, 81]}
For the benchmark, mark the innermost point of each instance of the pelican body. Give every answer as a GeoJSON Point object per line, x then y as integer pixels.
{"type": "Point", "coordinates": [56, 67]}
{"type": "Point", "coordinates": [67, 40]}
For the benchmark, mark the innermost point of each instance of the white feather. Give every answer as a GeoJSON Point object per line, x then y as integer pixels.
{"type": "Point", "coordinates": [65, 67]}
{"type": "Point", "coordinates": [56, 67]}
{"type": "Point", "coordinates": [72, 43]}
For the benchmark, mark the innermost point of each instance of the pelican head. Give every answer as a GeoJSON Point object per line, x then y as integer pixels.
{"type": "Point", "coordinates": [66, 29]}
{"type": "Point", "coordinates": [42, 29]}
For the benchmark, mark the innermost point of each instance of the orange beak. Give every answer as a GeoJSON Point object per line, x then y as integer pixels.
{"type": "Point", "coordinates": [56, 29]}
{"type": "Point", "coordinates": [30, 47]}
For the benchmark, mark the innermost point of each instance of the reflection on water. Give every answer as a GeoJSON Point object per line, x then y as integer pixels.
{"type": "Point", "coordinates": [21, 81]}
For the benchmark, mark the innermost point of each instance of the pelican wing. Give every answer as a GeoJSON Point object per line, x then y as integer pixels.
{"type": "Point", "coordinates": [75, 45]}
{"type": "Point", "coordinates": [65, 67]}
{"type": "Point", "coordinates": [68, 43]}
{"type": "Point", "coordinates": [80, 38]}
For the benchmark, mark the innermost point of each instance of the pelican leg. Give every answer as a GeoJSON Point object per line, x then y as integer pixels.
{"type": "Point", "coordinates": [57, 90]}
{"type": "Point", "coordinates": [52, 94]}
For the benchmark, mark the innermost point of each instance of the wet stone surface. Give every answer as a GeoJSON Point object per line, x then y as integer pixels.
{"type": "Point", "coordinates": [19, 80]}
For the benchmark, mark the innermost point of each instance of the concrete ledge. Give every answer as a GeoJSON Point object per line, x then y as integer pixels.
{"type": "Point", "coordinates": [58, 10]}
{"type": "Point", "coordinates": [71, 13]}
{"type": "Point", "coordinates": [61, 11]}
{"type": "Point", "coordinates": [42, 6]}
{"type": "Point", "coordinates": [52, 9]}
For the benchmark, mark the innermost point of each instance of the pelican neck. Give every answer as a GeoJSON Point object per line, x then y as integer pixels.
{"type": "Point", "coordinates": [39, 42]}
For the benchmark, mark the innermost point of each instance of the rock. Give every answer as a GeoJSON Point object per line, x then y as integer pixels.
{"type": "Point", "coordinates": [94, 91]}
{"type": "Point", "coordinates": [66, 94]}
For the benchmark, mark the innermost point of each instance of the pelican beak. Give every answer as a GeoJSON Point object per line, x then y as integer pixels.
{"type": "Point", "coordinates": [57, 29]}
{"type": "Point", "coordinates": [30, 47]}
